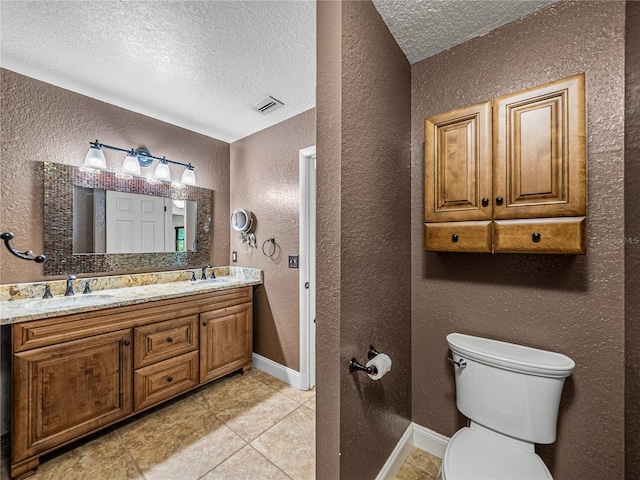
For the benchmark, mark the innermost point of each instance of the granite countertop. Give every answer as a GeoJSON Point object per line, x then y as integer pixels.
{"type": "Point", "coordinates": [23, 305]}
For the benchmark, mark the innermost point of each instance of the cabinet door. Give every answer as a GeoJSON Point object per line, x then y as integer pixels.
{"type": "Point", "coordinates": [226, 340]}
{"type": "Point", "coordinates": [539, 151]}
{"type": "Point", "coordinates": [457, 165]}
{"type": "Point", "coordinates": [66, 390]}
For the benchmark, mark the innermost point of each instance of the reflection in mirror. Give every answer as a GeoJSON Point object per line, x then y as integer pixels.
{"type": "Point", "coordinates": [76, 213]}
{"type": "Point", "coordinates": [106, 221]}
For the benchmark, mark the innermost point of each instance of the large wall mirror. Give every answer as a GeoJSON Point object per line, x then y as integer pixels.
{"type": "Point", "coordinates": [99, 222]}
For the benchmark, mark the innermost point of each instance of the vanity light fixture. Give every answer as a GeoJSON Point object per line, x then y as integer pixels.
{"type": "Point", "coordinates": [135, 159]}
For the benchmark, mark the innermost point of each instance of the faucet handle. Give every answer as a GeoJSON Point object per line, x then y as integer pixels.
{"type": "Point", "coordinates": [193, 275]}
{"type": "Point", "coordinates": [47, 291]}
{"type": "Point", "coordinates": [87, 287]}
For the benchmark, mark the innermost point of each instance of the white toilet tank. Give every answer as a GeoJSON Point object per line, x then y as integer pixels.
{"type": "Point", "coordinates": [511, 389]}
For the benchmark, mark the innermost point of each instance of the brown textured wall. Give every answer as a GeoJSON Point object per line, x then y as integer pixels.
{"type": "Point", "coordinates": [41, 122]}
{"type": "Point", "coordinates": [328, 237]}
{"type": "Point", "coordinates": [632, 236]}
{"type": "Point", "coordinates": [265, 181]}
{"type": "Point", "coordinates": [366, 185]}
{"type": "Point", "coordinates": [570, 304]}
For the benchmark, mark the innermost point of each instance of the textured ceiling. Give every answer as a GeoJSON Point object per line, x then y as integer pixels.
{"type": "Point", "coordinates": [203, 64]}
{"type": "Point", "coordinates": [424, 28]}
{"type": "Point", "coordinates": [200, 65]}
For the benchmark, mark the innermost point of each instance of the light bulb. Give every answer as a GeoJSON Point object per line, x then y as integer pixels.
{"type": "Point", "coordinates": [131, 165]}
{"type": "Point", "coordinates": [95, 158]}
{"type": "Point", "coordinates": [162, 172]}
{"type": "Point", "coordinates": [188, 177]}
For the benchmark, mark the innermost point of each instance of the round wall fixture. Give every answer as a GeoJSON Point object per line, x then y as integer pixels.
{"type": "Point", "coordinates": [241, 220]}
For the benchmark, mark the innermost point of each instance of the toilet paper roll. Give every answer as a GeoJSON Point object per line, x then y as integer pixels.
{"type": "Point", "coordinates": [382, 362]}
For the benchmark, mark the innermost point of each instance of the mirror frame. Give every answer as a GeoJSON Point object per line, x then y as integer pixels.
{"type": "Point", "coordinates": [59, 180]}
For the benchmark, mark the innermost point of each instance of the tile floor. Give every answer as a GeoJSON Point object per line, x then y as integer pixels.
{"type": "Point", "coordinates": [419, 465]}
{"type": "Point", "coordinates": [250, 426]}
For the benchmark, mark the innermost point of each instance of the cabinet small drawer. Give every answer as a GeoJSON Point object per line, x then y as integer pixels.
{"type": "Point", "coordinates": [163, 380]}
{"type": "Point", "coordinates": [565, 235]}
{"type": "Point", "coordinates": [458, 237]}
{"type": "Point", "coordinates": [163, 340]}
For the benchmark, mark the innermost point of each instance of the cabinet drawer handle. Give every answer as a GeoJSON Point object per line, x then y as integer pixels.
{"type": "Point", "coordinates": [536, 237]}
{"type": "Point", "coordinates": [170, 379]}
{"type": "Point", "coordinates": [499, 201]}
{"type": "Point", "coordinates": [127, 343]}
{"type": "Point", "coordinates": [169, 339]}
{"type": "Point", "coordinates": [454, 237]}
{"type": "Point", "coordinates": [485, 202]}
{"type": "Point", "coordinates": [204, 324]}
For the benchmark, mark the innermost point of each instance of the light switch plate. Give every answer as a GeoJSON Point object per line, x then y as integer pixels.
{"type": "Point", "coordinates": [234, 257]}
{"type": "Point", "coordinates": [293, 261]}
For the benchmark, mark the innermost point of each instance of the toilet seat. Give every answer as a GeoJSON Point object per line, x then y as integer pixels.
{"type": "Point", "coordinates": [473, 454]}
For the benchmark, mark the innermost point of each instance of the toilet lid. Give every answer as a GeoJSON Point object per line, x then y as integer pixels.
{"type": "Point", "coordinates": [474, 455]}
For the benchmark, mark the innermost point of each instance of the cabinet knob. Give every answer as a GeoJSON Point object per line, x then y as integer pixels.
{"type": "Point", "coordinates": [204, 324]}
{"type": "Point", "coordinates": [127, 343]}
{"type": "Point", "coordinates": [454, 237]}
{"type": "Point", "coordinates": [485, 202]}
{"type": "Point", "coordinates": [536, 237]}
{"type": "Point", "coordinates": [169, 339]}
{"type": "Point", "coordinates": [170, 379]}
{"type": "Point", "coordinates": [499, 201]}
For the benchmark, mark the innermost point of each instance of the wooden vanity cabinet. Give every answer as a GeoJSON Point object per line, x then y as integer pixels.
{"type": "Point", "coordinates": [520, 156]}
{"type": "Point", "coordinates": [76, 374]}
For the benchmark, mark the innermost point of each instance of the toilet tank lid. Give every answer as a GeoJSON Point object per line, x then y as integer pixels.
{"type": "Point", "coordinates": [509, 356]}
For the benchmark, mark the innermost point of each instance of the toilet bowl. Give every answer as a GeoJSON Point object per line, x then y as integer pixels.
{"type": "Point", "coordinates": [511, 395]}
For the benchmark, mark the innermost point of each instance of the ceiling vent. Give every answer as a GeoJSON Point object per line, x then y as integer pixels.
{"type": "Point", "coordinates": [267, 105]}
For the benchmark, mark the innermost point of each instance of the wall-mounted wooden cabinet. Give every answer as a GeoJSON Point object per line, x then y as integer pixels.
{"type": "Point", "coordinates": [520, 156]}
{"type": "Point", "coordinates": [75, 374]}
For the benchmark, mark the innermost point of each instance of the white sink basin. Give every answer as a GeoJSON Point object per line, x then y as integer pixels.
{"type": "Point", "coordinates": [218, 280]}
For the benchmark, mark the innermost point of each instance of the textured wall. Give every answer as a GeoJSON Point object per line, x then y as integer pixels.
{"type": "Point", "coordinates": [570, 304]}
{"type": "Point", "coordinates": [265, 181]}
{"type": "Point", "coordinates": [41, 122]}
{"type": "Point", "coordinates": [632, 236]}
{"type": "Point", "coordinates": [328, 237]}
{"type": "Point", "coordinates": [370, 174]}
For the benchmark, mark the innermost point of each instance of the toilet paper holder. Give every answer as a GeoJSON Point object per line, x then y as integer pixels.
{"type": "Point", "coordinates": [354, 365]}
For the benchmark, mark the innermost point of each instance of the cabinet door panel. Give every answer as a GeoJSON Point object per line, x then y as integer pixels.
{"type": "Point", "coordinates": [458, 237]}
{"type": "Point", "coordinates": [226, 340]}
{"type": "Point", "coordinates": [66, 390]}
{"type": "Point", "coordinates": [566, 235]}
{"type": "Point", "coordinates": [539, 151]}
{"type": "Point", "coordinates": [458, 165]}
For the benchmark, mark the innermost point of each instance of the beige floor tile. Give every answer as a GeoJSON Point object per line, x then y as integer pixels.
{"type": "Point", "coordinates": [140, 432]}
{"type": "Point", "coordinates": [290, 444]}
{"type": "Point", "coordinates": [311, 403]}
{"type": "Point", "coordinates": [227, 389]}
{"type": "Point", "coordinates": [247, 464]}
{"type": "Point", "coordinates": [300, 396]}
{"type": "Point", "coordinates": [123, 468]}
{"type": "Point", "coordinates": [409, 471]}
{"type": "Point", "coordinates": [424, 460]}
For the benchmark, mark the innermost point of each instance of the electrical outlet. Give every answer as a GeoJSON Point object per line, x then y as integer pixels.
{"type": "Point", "coordinates": [234, 257]}
{"type": "Point", "coordinates": [293, 261]}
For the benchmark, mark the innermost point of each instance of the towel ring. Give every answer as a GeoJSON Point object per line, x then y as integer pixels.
{"type": "Point", "coordinates": [271, 240]}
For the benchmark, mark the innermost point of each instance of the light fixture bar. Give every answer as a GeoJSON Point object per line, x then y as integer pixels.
{"type": "Point", "coordinates": [97, 144]}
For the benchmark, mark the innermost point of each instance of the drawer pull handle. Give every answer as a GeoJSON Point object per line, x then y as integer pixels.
{"type": "Point", "coordinates": [499, 201]}
{"type": "Point", "coordinates": [454, 237]}
{"type": "Point", "coordinates": [204, 324]}
{"type": "Point", "coordinates": [485, 202]}
{"type": "Point", "coordinates": [127, 343]}
{"type": "Point", "coordinates": [170, 379]}
{"type": "Point", "coordinates": [169, 339]}
{"type": "Point", "coordinates": [536, 237]}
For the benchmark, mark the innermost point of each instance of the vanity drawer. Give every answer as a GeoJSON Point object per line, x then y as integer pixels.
{"type": "Point", "coordinates": [163, 380]}
{"type": "Point", "coordinates": [163, 340]}
{"type": "Point", "coordinates": [458, 237]}
{"type": "Point", "coordinates": [566, 235]}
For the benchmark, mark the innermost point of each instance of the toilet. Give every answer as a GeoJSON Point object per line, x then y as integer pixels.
{"type": "Point", "coordinates": [511, 395]}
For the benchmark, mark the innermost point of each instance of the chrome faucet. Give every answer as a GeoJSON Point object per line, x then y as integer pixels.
{"type": "Point", "coordinates": [70, 280]}
{"type": "Point", "coordinates": [204, 272]}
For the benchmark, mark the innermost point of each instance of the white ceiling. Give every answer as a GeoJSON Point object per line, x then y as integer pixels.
{"type": "Point", "coordinates": [203, 64]}
{"type": "Point", "coordinates": [424, 28]}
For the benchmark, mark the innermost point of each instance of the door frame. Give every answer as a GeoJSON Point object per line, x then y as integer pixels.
{"type": "Point", "coordinates": [307, 265]}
